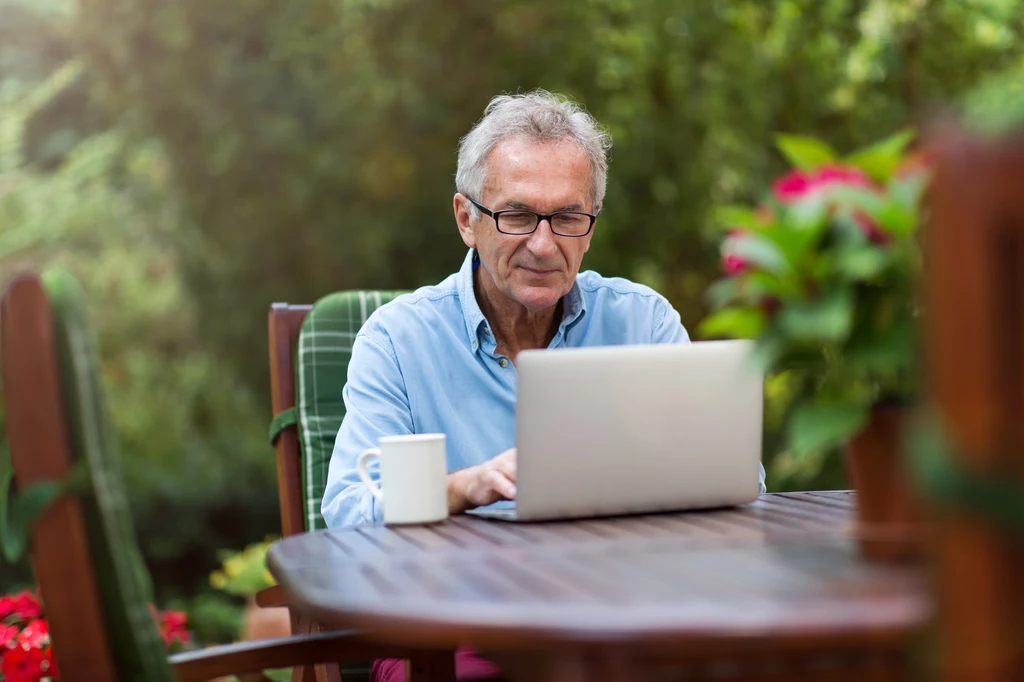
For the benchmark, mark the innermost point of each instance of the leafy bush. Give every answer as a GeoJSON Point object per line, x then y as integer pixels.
{"type": "Point", "coordinates": [823, 273]}
{"type": "Point", "coordinates": [199, 472]}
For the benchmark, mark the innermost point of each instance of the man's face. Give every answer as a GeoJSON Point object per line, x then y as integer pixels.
{"type": "Point", "coordinates": [537, 269]}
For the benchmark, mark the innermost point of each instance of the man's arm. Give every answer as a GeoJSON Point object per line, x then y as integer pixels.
{"type": "Point", "coordinates": [669, 329]}
{"type": "Point", "coordinates": [376, 405]}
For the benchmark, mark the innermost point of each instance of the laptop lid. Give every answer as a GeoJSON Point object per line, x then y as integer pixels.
{"type": "Point", "coordinates": [630, 429]}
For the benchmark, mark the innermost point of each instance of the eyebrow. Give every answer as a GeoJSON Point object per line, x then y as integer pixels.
{"type": "Point", "coordinates": [520, 205]}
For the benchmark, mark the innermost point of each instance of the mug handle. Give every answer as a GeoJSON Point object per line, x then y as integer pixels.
{"type": "Point", "coordinates": [364, 475]}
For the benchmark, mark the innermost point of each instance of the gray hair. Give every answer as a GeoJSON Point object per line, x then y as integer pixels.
{"type": "Point", "coordinates": [538, 115]}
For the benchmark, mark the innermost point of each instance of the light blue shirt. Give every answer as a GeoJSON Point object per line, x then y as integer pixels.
{"type": "Point", "coordinates": [426, 363]}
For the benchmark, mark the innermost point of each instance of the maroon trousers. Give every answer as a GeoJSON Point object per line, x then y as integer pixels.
{"type": "Point", "coordinates": [468, 666]}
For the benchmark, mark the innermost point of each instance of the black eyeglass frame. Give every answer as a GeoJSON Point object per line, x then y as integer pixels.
{"type": "Point", "coordinates": [497, 223]}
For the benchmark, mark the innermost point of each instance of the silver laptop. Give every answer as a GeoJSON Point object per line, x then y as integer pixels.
{"type": "Point", "coordinates": [632, 429]}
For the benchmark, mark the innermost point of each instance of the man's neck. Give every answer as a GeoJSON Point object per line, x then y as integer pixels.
{"type": "Point", "coordinates": [515, 328]}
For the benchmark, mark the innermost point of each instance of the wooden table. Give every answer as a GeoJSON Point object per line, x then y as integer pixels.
{"type": "Point", "coordinates": [774, 590]}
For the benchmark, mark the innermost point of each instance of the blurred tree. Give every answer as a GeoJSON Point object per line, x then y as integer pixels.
{"type": "Point", "coordinates": [198, 472]}
{"type": "Point", "coordinates": [194, 161]}
{"type": "Point", "coordinates": [313, 144]}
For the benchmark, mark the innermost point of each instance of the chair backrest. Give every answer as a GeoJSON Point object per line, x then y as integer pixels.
{"type": "Point", "coordinates": [95, 590]}
{"type": "Point", "coordinates": [283, 324]}
{"type": "Point", "coordinates": [974, 344]}
{"type": "Point", "coordinates": [310, 349]}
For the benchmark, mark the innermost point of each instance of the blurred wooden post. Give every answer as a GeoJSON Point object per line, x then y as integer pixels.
{"type": "Point", "coordinates": [974, 343]}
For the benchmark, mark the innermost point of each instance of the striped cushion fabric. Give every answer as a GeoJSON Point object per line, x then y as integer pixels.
{"type": "Point", "coordinates": [321, 368]}
{"type": "Point", "coordinates": [124, 584]}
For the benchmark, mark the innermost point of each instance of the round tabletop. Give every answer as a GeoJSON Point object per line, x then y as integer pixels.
{"type": "Point", "coordinates": [781, 572]}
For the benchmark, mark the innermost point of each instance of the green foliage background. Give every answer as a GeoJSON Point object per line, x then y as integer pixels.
{"type": "Point", "coordinates": [194, 161]}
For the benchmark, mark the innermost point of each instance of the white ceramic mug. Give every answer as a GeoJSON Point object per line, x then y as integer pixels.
{"type": "Point", "coordinates": [413, 472]}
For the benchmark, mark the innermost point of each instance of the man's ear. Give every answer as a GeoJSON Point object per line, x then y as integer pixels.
{"type": "Point", "coordinates": [464, 219]}
{"type": "Point", "coordinates": [590, 236]}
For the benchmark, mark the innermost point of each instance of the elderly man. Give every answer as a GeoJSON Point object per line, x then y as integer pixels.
{"type": "Point", "coordinates": [530, 181]}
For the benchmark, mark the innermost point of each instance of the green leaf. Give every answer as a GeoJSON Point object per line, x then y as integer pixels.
{"type": "Point", "coordinates": [767, 351]}
{"type": "Point", "coordinates": [810, 213]}
{"type": "Point", "coordinates": [888, 352]}
{"type": "Point", "coordinates": [731, 217]}
{"type": "Point", "coordinates": [996, 106]}
{"type": "Point", "coordinates": [735, 323]}
{"type": "Point", "coordinates": [814, 427]}
{"type": "Point", "coordinates": [805, 153]}
{"type": "Point", "coordinates": [895, 219]}
{"type": "Point", "coordinates": [907, 191]}
{"type": "Point", "coordinates": [862, 262]}
{"type": "Point", "coordinates": [881, 159]}
{"type": "Point", "coordinates": [828, 318]}
{"type": "Point", "coordinates": [722, 292]}
{"type": "Point", "coordinates": [759, 251]}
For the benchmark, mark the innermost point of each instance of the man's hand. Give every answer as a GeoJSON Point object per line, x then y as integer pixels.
{"type": "Point", "coordinates": [483, 484]}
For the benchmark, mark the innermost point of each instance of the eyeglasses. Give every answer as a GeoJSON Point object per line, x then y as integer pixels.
{"type": "Point", "coordinates": [519, 221]}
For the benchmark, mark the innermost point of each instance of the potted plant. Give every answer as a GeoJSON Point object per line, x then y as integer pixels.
{"type": "Point", "coordinates": [822, 273]}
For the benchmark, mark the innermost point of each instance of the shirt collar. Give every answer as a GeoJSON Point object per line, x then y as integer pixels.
{"type": "Point", "coordinates": [573, 305]}
{"type": "Point", "coordinates": [470, 308]}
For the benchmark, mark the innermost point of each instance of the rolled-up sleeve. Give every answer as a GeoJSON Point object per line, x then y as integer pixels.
{"type": "Point", "coordinates": [376, 404]}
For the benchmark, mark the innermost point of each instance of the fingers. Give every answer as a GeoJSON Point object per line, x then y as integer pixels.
{"type": "Point", "coordinates": [501, 483]}
{"type": "Point", "coordinates": [506, 463]}
{"type": "Point", "coordinates": [488, 486]}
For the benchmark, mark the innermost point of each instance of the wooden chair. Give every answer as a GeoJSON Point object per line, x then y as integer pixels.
{"type": "Point", "coordinates": [93, 583]}
{"type": "Point", "coordinates": [974, 344]}
{"type": "Point", "coordinates": [310, 346]}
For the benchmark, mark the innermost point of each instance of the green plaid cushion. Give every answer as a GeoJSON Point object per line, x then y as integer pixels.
{"type": "Point", "coordinates": [124, 584]}
{"type": "Point", "coordinates": [321, 368]}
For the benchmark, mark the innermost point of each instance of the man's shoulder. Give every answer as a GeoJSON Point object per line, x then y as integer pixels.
{"type": "Point", "coordinates": [599, 286]}
{"type": "Point", "coordinates": [413, 309]}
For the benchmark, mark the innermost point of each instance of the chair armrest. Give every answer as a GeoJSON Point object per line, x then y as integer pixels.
{"type": "Point", "coordinates": [266, 654]}
{"type": "Point", "coordinates": [271, 596]}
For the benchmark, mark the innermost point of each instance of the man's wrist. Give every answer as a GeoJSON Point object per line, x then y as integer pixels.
{"type": "Point", "coordinates": [456, 483]}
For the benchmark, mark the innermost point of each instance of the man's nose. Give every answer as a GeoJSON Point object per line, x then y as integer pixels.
{"type": "Point", "coordinates": [542, 241]}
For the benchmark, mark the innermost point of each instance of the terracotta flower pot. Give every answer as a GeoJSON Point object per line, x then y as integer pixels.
{"type": "Point", "coordinates": [890, 522]}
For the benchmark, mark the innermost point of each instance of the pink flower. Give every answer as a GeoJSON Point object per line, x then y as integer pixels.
{"type": "Point", "coordinates": [731, 263]}
{"type": "Point", "coordinates": [799, 184]}
{"type": "Point", "coordinates": [7, 634]}
{"type": "Point", "coordinates": [24, 605]}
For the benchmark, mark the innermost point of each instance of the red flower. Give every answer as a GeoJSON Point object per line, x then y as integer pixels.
{"type": "Point", "coordinates": [27, 664]}
{"type": "Point", "coordinates": [799, 184]}
{"type": "Point", "coordinates": [731, 263]}
{"type": "Point", "coordinates": [35, 635]}
{"type": "Point", "coordinates": [7, 634]}
{"type": "Point", "coordinates": [870, 229]}
{"type": "Point", "coordinates": [173, 626]}
{"type": "Point", "coordinates": [24, 605]}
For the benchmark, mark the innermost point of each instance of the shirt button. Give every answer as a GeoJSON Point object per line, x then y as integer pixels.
{"type": "Point", "coordinates": [503, 362]}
